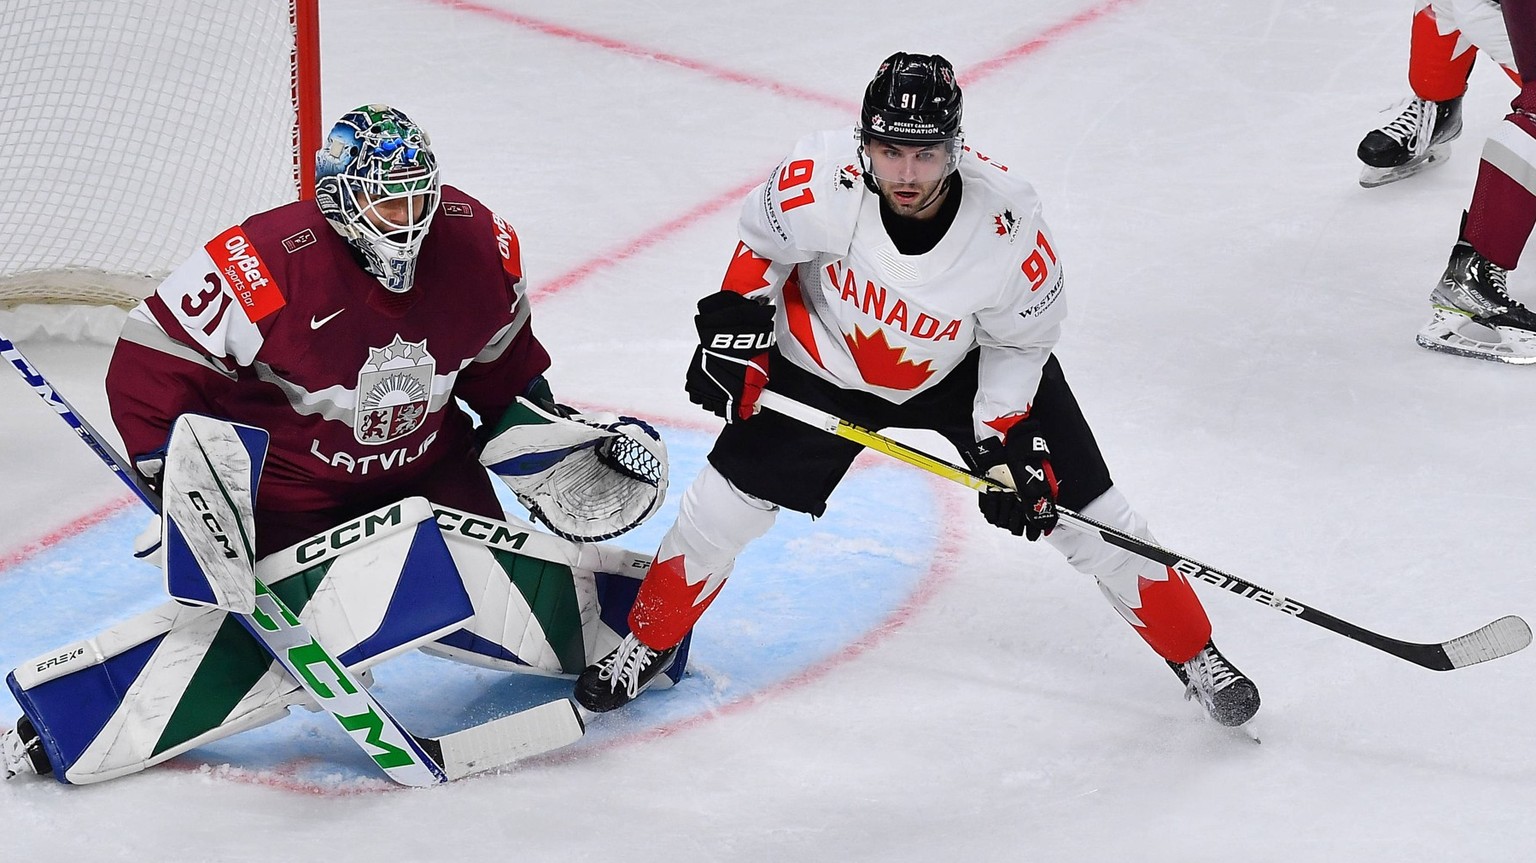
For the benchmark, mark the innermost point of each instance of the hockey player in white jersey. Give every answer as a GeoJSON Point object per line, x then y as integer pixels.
{"type": "Point", "coordinates": [892, 276]}
{"type": "Point", "coordinates": [1445, 39]}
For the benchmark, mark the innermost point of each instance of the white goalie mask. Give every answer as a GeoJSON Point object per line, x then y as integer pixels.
{"type": "Point", "coordinates": [377, 183]}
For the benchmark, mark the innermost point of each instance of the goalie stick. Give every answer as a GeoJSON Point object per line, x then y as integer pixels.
{"type": "Point", "coordinates": [1502, 637]}
{"type": "Point", "coordinates": [407, 758]}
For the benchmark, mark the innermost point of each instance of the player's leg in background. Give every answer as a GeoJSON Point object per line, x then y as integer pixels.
{"type": "Point", "coordinates": [1503, 209]}
{"type": "Point", "coordinates": [1471, 311]}
{"type": "Point", "coordinates": [1440, 60]}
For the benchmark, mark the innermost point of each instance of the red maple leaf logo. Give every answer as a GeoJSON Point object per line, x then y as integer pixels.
{"type": "Point", "coordinates": [885, 366]}
{"type": "Point", "coordinates": [747, 273]}
{"type": "Point", "coordinates": [1003, 423]}
{"type": "Point", "coordinates": [667, 605]}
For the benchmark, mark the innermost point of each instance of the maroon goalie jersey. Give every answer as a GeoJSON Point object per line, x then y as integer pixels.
{"type": "Point", "coordinates": [276, 324]}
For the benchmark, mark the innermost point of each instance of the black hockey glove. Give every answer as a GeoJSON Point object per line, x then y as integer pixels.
{"type": "Point", "coordinates": [1023, 462]}
{"type": "Point", "coordinates": [730, 365]}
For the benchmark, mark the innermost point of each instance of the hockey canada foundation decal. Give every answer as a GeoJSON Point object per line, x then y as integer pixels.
{"type": "Point", "coordinates": [394, 390]}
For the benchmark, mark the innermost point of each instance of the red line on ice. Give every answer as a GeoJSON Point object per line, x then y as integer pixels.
{"type": "Point", "coordinates": [657, 235]}
{"type": "Point", "coordinates": [650, 238]}
{"type": "Point", "coordinates": [1049, 37]}
{"type": "Point", "coordinates": [632, 49]}
{"type": "Point", "coordinates": [69, 531]}
{"type": "Point", "coordinates": [938, 573]}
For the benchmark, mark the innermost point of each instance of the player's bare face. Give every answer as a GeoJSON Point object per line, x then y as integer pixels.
{"type": "Point", "coordinates": [910, 176]}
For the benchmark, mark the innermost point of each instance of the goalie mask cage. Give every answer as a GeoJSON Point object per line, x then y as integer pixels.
{"type": "Point", "coordinates": [132, 132]}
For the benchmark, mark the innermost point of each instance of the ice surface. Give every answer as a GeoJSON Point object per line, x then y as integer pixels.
{"type": "Point", "coordinates": [1241, 335]}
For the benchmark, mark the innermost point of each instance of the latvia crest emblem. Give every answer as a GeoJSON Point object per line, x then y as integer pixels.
{"type": "Point", "coordinates": [394, 390]}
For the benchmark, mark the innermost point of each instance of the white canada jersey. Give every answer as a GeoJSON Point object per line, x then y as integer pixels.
{"type": "Point", "coordinates": [856, 312]}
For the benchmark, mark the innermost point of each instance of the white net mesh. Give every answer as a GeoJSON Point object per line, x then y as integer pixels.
{"type": "Point", "coordinates": [133, 132]}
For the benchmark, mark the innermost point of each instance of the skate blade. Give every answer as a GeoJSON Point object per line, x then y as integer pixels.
{"type": "Point", "coordinates": [1370, 177]}
{"type": "Point", "coordinates": [1248, 731]}
{"type": "Point", "coordinates": [1455, 333]}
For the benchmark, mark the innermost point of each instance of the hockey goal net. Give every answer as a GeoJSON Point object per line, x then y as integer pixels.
{"type": "Point", "coordinates": [131, 132]}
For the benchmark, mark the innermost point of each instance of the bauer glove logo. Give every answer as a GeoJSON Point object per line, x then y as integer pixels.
{"type": "Point", "coordinates": [741, 341]}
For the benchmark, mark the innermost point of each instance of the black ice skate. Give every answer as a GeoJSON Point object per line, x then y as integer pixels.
{"type": "Point", "coordinates": [1418, 138]}
{"type": "Point", "coordinates": [1226, 694]}
{"type": "Point", "coordinates": [21, 751]}
{"type": "Point", "coordinates": [1473, 315]}
{"type": "Point", "coordinates": [621, 675]}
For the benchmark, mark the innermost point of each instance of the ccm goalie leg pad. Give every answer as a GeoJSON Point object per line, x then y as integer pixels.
{"type": "Point", "coordinates": [177, 677]}
{"type": "Point", "coordinates": [588, 477]}
{"type": "Point", "coordinates": [543, 605]}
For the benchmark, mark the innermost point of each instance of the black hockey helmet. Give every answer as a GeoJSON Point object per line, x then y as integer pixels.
{"type": "Point", "coordinates": [912, 100]}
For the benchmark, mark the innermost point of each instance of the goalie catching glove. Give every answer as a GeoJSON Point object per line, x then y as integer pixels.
{"type": "Point", "coordinates": [730, 365]}
{"type": "Point", "coordinates": [587, 477]}
{"type": "Point", "coordinates": [1024, 464]}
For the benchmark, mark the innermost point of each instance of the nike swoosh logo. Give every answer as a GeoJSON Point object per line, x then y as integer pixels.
{"type": "Point", "coordinates": [317, 323]}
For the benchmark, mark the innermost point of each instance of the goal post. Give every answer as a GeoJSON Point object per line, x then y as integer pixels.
{"type": "Point", "coordinates": [134, 131]}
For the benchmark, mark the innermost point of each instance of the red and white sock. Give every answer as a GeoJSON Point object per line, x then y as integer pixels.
{"type": "Point", "coordinates": [715, 522]}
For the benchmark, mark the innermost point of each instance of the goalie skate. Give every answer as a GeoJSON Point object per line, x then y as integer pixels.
{"type": "Point", "coordinates": [1417, 138]}
{"type": "Point", "coordinates": [1473, 316]}
{"type": "Point", "coordinates": [21, 752]}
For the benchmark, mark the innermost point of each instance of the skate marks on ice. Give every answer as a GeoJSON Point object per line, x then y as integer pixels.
{"type": "Point", "coordinates": [799, 599]}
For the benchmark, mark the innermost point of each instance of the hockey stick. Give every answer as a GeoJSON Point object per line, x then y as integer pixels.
{"type": "Point", "coordinates": [1500, 638]}
{"type": "Point", "coordinates": [407, 758]}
